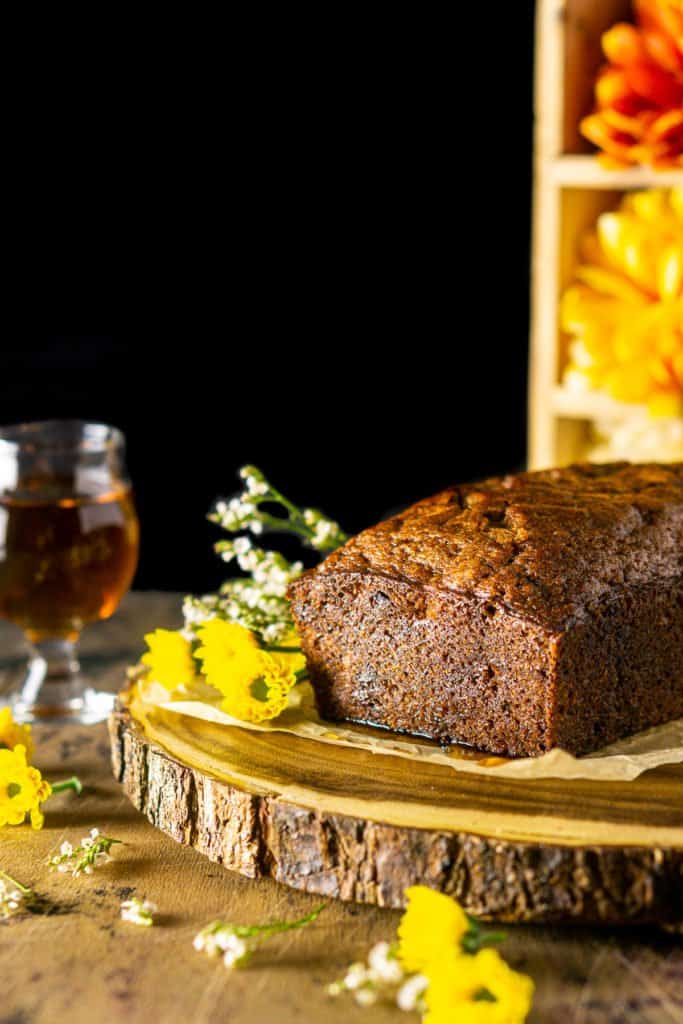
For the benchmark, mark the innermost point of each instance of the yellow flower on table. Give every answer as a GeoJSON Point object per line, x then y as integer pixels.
{"type": "Point", "coordinates": [624, 313]}
{"type": "Point", "coordinates": [12, 734]}
{"type": "Point", "coordinates": [433, 923]}
{"type": "Point", "coordinates": [169, 658]}
{"type": "Point", "coordinates": [22, 789]}
{"type": "Point", "coordinates": [255, 683]}
{"type": "Point", "coordinates": [478, 989]}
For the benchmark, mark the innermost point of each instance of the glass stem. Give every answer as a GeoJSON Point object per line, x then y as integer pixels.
{"type": "Point", "coordinates": [58, 657]}
{"type": "Point", "coordinates": [53, 689]}
{"type": "Point", "coordinates": [53, 673]}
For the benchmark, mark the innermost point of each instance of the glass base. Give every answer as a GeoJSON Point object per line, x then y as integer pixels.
{"type": "Point", "coordinates": [89, 707]}
{"type": "Point", "coordinates": [53, 689]}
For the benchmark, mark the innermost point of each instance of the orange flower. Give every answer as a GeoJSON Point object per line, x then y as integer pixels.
{"type": "Point", "coordinates": [639, 92]}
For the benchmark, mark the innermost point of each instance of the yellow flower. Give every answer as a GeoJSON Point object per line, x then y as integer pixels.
{"type": "Point", "coordinates": [221, 643]}
{"type": "Point", "coordinates": [11, 733]}
{"type": "Point", "coordinates": [432, 925]}
{"type": "Point", "coordinates": [479, 989]}
{"type": "Point", "coordinates": [22, 789]}
{"type": "Point", "coordinates": [169, 659]}
{"type": "Point", "coordinates": [292, 658]}
{"type": "Point", "coordinates": [255, 683]}
{"type": "Point", "coordinates": [624, 313]}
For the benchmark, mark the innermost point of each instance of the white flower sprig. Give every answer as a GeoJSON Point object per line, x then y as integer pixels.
{"type": "Point", "coordinates": [91, 853]}
{"type": "Point", "coordinates": [236, 943]}
{"type": "Point", "coordinates": [245, 512]}
{"type": "Point", "coordinates": [382, 979]}
{"type": "Point", "coordinates": [15, 898]}
{"type": "Point", "coordinates": [137, 911]}
{"type": "Point", "coordinates": [259, 601]}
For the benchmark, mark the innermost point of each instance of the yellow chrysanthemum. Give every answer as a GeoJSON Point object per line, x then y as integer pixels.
{"type": "Point", "coordinates": [222, 642]}
{"type": "Point", "coordinates": [11, 733]}
{"type": "Point", "coordinates": [255, 683]}
{"type": "Point", "coordinates": [624, 314]}
{"type": "Point", "coordinates": [479, 989]}
{"type": "Point", "coordinates": [169, 659]}
{"type": "Point", "coordinates": [432, 924]}
{"type": "Point", "coordinates": [22, 789]}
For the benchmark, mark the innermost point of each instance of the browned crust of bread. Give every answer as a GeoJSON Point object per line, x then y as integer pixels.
{"type": "Point", "coordinates": [515, 614]}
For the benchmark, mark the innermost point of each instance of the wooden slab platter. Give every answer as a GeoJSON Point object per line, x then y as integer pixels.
{"type": "Point", "coordinates": [351, 825]}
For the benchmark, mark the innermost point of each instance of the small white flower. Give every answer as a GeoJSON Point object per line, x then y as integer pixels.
{"type": "Point", "coordinates": [236, 951]}
{"type": "Point", "coordinates": [256, 487]}
{"type": "Point", "coordinates": [386, 968]}
{"type": "Point", "coordinates": [11, 900]}
{"type": "Point", "coordinates": [137, 911]}
{"type": "Point", "coordinates": [365, 996]}
{"type": "Point", "coordinates": [356, 975]}
{"type": "Point", "coordinates": [323, 532]}
{"type": "Point", "coordinates": [409, 996]}
{"type": "Point", "coordinates": [93, 851]}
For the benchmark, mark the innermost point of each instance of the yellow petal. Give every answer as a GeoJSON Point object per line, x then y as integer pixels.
{"type": "Point", "coordinates": [581, 309]}
{"type": "Point", "coordinates": [607, 282]}
{"type": "Point", "coordinates": [676, 201]}
{"type": "Point", "coordinates": [665, 404]}
{"type": "Point", "coordinates": [629, 383]}
{"type": "Point", "coordinates": [670, 273]}
{"type": "Point", "coordinates": [650, 205]}
{"type": "Point", "coordinates": [660, 373]}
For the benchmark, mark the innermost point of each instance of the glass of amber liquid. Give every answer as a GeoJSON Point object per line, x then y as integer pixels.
{"type": "Point", "coordinates": [69, 540]}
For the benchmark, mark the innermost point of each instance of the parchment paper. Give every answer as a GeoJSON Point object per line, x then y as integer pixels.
{"type": "Point", "coordinates": [619, 762]}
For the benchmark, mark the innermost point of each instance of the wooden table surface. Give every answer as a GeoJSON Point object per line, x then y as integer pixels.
{"type": "Point", "coordinates": [82, 963]}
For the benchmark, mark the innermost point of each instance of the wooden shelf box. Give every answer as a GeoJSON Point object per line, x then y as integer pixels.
{"type": "Point", "coordinates": [571, 189]}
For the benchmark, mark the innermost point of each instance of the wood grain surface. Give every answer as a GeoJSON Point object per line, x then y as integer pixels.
{"type": "Point", "coordinates": [82, 963]}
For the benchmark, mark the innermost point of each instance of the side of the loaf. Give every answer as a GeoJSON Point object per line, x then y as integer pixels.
{"type": "Point", "coordinates": [620, 667]}
{"type": "Point", "coordinates": [392, 654]}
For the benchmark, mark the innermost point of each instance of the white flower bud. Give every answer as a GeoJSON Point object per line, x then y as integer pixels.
{"type": "Point", "coordinates": [366, 996]}
{"type": "Point", "coordinates": [409, 995]}
{"type": "Point", "coordinates": [236, 951]}
{"type": "Point", "coordinates": [356, 976]}
{"type": "Point", "coordinates": [387, 968]}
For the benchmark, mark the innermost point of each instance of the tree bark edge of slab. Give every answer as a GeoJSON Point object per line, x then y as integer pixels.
{"type": "Point", "coordinates": [366, 861]}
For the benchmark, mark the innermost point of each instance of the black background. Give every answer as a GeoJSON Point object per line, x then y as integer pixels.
{"type": "Point", "coordinates": [356, 324]}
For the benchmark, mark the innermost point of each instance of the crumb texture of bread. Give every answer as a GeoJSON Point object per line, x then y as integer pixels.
{"type": "Point", "coordinates": [516, 614]}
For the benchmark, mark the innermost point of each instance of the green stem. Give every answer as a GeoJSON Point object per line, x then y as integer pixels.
{"type": "Point", "coordinates": [276, 525]}
{"type": "Point", "coordinates": [264, 930]}
{"type": "Point", "coordinates": [12, 881]}
{"type": "Point", "coordinates": [282, 650]}
{"type": "Point", "coordinates": [292, 509]}
{"type": "Point", "coordinates": [476, 939]}
{"type": "Point", "coordinates": [73, 783]}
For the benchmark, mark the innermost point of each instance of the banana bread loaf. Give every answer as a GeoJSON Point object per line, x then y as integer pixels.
{"type": "Point", "coordinates": [517, 614]}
